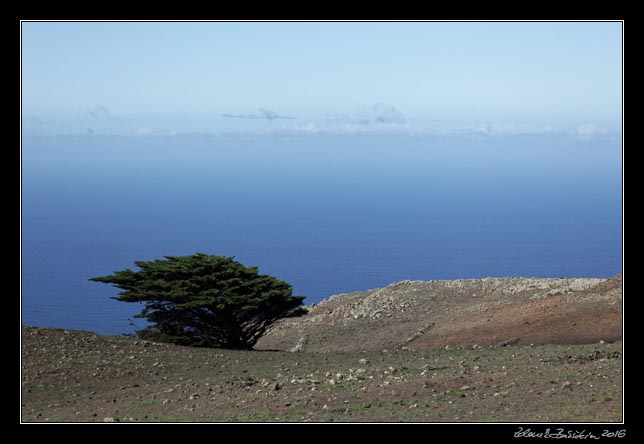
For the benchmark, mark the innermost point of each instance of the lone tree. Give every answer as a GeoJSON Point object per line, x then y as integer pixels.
{"type": "Point", "coordinates": [205, 300]}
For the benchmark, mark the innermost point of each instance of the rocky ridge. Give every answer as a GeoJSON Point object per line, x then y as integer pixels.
{"type": "Point", "coordinates": [464, 312]}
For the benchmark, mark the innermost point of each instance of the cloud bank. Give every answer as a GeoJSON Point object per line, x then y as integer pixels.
{"type": "Point", "coordinates": [263, 114]}
{"type": "Point", "coordinates": [377, 119]}
{"type": "Point", "coordinates": [102, 112]}
{"type": "Point", "coordinates": [349, 128]}
{"type": "Point", "coordinates": [588, 131]}
{"type": "Point", "coordinates": [378, 114]}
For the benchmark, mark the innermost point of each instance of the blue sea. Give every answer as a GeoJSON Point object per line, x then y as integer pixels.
{"type": "Point", "coordinates": [327, 213]}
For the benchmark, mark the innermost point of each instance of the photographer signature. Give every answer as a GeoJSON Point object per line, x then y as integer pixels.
{"type": "Point", "coordinates": [567, 434]}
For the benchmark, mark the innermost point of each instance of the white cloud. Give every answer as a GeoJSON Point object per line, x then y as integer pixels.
{"type": "Point", "coordinates": [588, 131]}
{"type": "Point", "coordinates": [309, 128]}
{"type": "Point", "coordinates": [102, 112]}
{"type": "Point", "coordinates": [350, 128]}
{"type": "Point", "coordinates": [491, 129]}
{"type": "Point", "coordinates": [145, 131]}
{"type": "Point", "coordinates": [382, 128]}
{"type": "Point", "coordinates": [378, 114]}
{"type": "Point", "coordinates": [498, 129]}
{"type": "Point", "coordinates": [262, 114]}
{"type": "Point", "coordinates": [377, 119]}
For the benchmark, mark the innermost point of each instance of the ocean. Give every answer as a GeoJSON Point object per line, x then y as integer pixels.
{"type": "Point", "coordinates": [329, 214]}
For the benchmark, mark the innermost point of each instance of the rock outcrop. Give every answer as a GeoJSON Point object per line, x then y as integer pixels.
{"type": "Point", "coordinates": [477, 312]}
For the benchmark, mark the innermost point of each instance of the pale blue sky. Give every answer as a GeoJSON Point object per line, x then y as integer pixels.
{"type": "Point", "coordinates": [160, 78]}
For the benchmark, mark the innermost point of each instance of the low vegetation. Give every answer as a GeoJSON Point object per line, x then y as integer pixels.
{"type": "Point", "coordinates": [79, 376]}
{"type": "Point", "coordinates": [497, 350]}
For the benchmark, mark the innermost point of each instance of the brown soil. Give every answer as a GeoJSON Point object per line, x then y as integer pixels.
{"type": "Point", "coordinates": [436, 314]}
{"type": "Point", "coordinates": [74, 376]}
{"type": "Point", "coordinates": [441, 351]}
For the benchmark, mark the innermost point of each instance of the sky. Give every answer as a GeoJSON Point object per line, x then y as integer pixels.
{"type": "Point", "coordinates": [312, 78]}
{"type": "Point", "coordinates": [335, 156]}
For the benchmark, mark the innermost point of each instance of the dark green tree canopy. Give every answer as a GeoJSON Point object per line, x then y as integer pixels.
{"type": "Point", "coordinates": [205, 300]}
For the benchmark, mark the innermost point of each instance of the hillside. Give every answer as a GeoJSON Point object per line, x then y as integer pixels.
{"type": "Point", "coordinates": [413, 351]}
{"type": "Point", "coordinates": [435, 314]}
{"type": "Point", "coordinates": [76, 376]}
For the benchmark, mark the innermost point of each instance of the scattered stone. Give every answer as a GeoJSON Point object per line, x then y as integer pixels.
{"type": "Point", "coordinates": [301, 343]}
{"type": "Point", "coordinates": [229, 371]}
{"type": "Point", "coordinates": [508, 342]}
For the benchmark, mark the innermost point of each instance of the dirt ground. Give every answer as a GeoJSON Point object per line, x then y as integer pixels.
{"type": "Point", "coordinates": [426, 315]}
{"type": "Point", "coordinates": [74, 376]}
